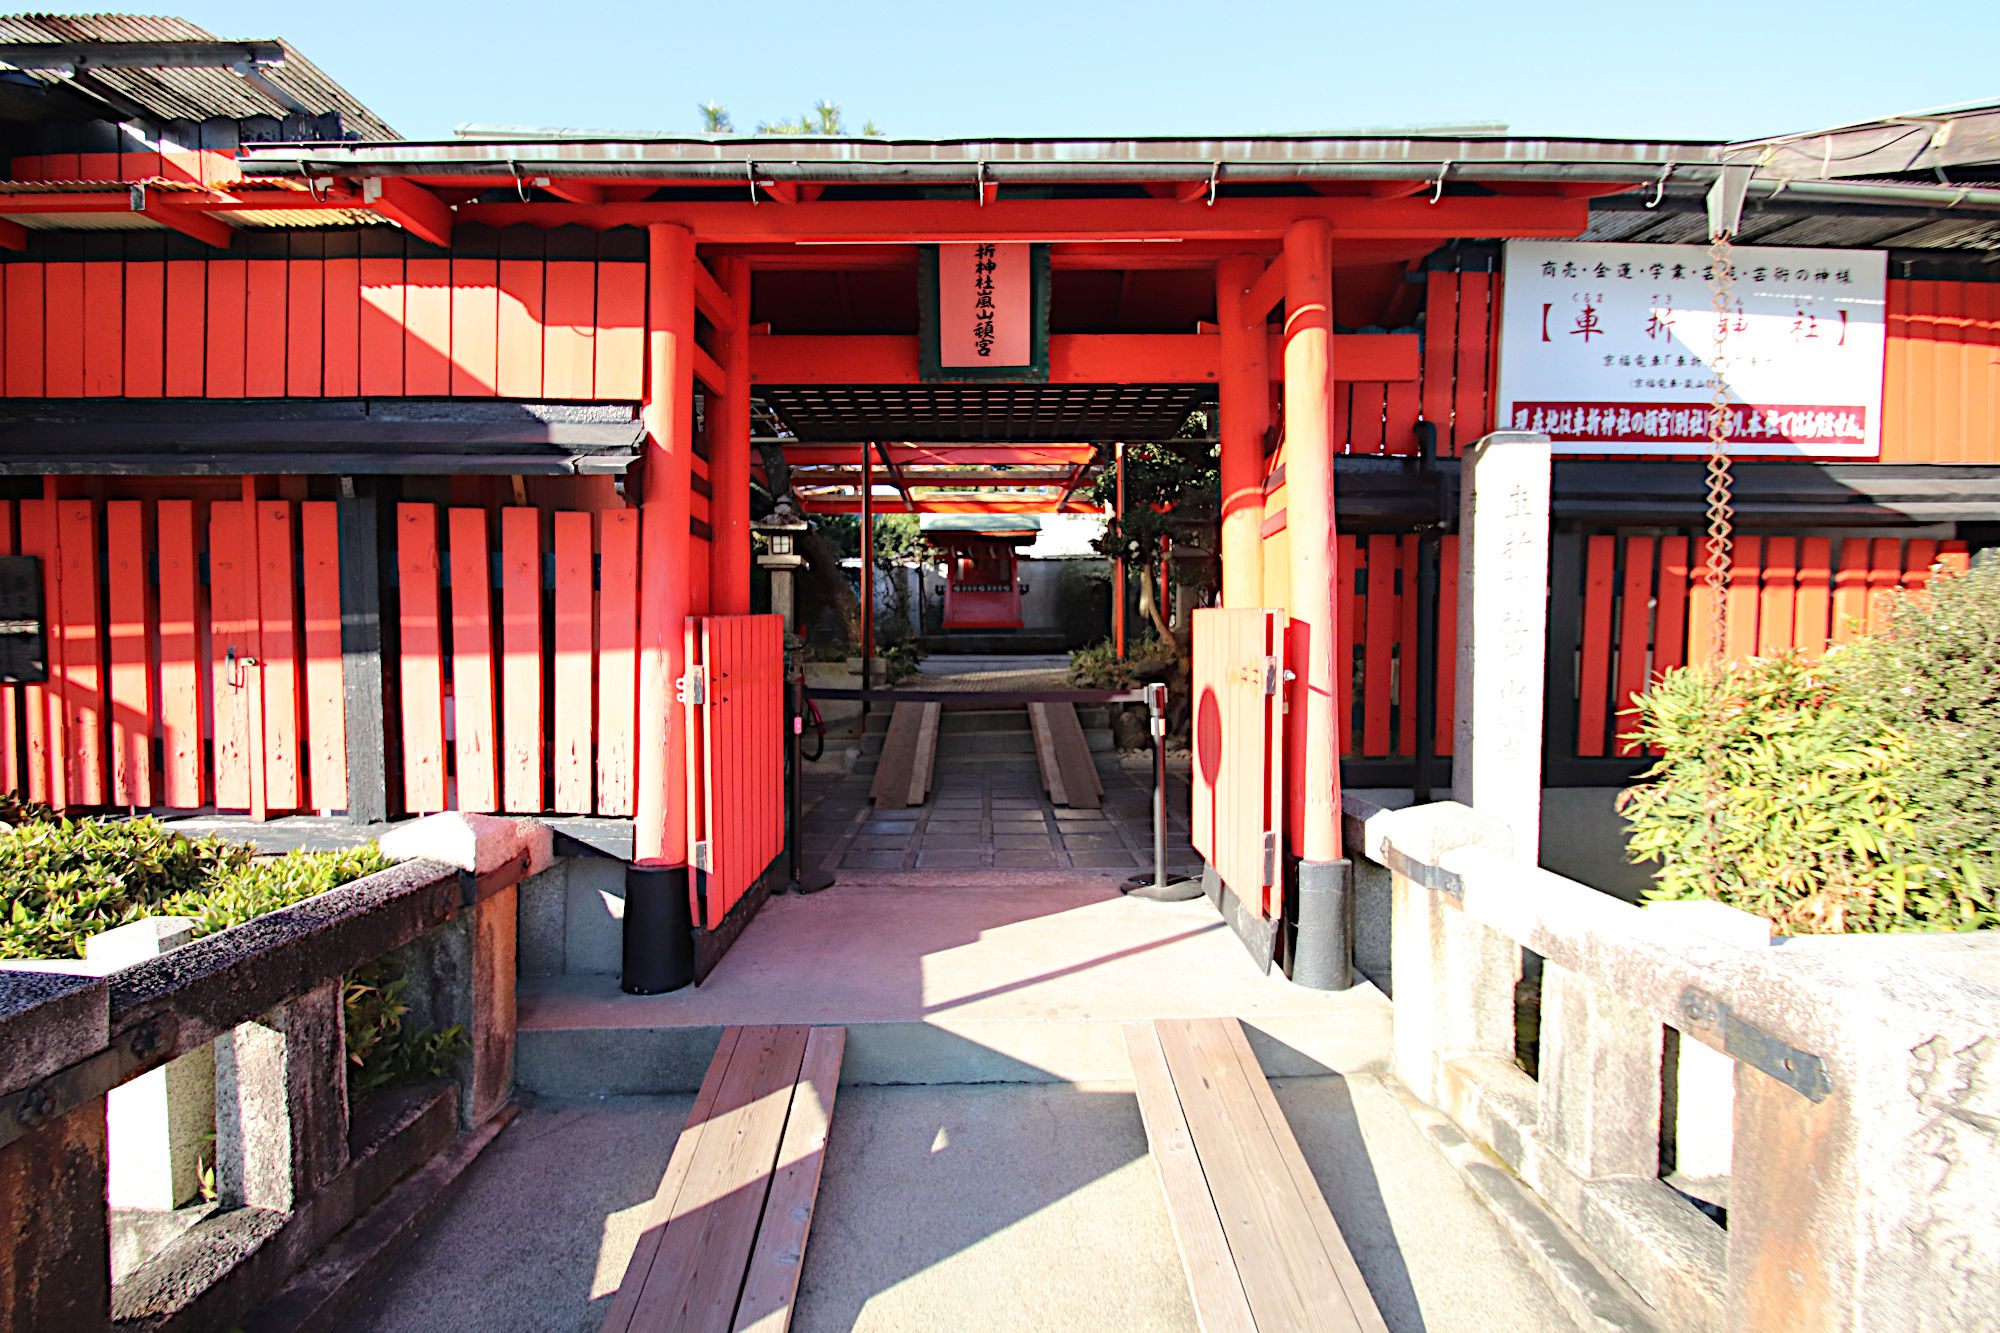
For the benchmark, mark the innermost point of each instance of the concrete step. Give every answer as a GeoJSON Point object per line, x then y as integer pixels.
{"type": "Point", "coordinates": [953, 720]}
{"type": "Point", "coordinates": [967, 745]}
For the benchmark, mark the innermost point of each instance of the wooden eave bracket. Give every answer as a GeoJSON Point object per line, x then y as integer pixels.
{"type": "Point", "coordinates": [712, 300]}
{"type": "Point", "coordinates": [204, 229]}
{"type": "Point", "coordinates": [409, 206]}
{"type": "Point", "coordinates": [1266, 292]}
{"type": "Point", "coordinates": [13, 236]}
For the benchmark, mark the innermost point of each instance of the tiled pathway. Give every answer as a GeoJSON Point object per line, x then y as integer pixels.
{"type": "Point", "coordinates": [993, 814]}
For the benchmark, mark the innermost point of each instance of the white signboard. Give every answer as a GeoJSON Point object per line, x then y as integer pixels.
{"type": "Point", "coordinates": [1607, 348]}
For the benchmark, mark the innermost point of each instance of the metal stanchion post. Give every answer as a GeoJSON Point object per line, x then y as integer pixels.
{"type": "Point", "coordinates": [1161, 889]}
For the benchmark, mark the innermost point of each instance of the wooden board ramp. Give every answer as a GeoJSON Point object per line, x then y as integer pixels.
{"type": "Point", "coordinates": [1260, 1247]}
{"type": "Point", "coordinates": [909, 756]}
{"type": "Point", "coordinates": [725, 1239]}
{"type": "Point", "coordinates": [1068, 772]}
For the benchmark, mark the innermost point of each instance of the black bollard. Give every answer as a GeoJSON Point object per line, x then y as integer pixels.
{"type": "Point", "coordinates": [659, 930]}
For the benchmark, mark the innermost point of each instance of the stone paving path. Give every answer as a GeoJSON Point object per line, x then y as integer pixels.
{"type": "Point", "coordinates": [993, 814]}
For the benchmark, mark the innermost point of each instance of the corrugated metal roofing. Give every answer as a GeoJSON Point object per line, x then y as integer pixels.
{"type": "Point", "coordinates": [192, 94]}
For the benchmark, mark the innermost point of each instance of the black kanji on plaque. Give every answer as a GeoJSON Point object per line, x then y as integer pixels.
{"type": "Point", "coordinates": [24, 655]}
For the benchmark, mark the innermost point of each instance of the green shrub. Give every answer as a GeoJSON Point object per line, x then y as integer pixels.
{"type": "Point", "coordinates": [1861, 793]}
{"type": "Point", "coordinates": [63, 880]}
{"type": "Point", "coordinates": [1098, 667]}
{"type": "Point", "coordinates": [900, 661]}
{"type": "Point", "coordinates": [1083, 602]}
{"type": "Point", "coordinates": [1935, 678]}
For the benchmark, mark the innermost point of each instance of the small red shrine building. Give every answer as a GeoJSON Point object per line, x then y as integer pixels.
{"type": "Point", "coordinates": [385, 477]}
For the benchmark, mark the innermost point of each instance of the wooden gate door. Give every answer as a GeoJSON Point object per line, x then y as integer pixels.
{"type": "Point", "coordinates": [736, 757]}
{"type": "Point", "coordinates": [1239, 751]}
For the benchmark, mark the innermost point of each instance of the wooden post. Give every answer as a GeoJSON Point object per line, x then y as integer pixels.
{"type": "Point", "coordinates": [251, 665]}
{"type": "Point", "coordinates": [1118, 565]}
{"type": "Point", "coordinates": [1309, 482]}
{"type": "Point", "coordinates": [1245, 389]}
{"type": "Point", "coordinates": [729, 453]}
{"type": "Point", "coordinates": [368, 637]}
{"type": "Point", "coordinates": [867, 568]}
{"type": "Point", "coordinates": [665, 508]}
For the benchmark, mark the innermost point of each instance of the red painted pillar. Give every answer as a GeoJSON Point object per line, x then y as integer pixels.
{"type": "Point", "coordinates": [1309, 446]}
{"type": "Point", "coordinates": [729, 457]}
{"type": "Point", "coordinates": [1245, 392]}
{"type": "Point", "coordinates": [665, 507]}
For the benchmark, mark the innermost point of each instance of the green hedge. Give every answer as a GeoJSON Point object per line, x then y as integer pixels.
{"type": "Point", "coordinates": [1860, 793]}
{"type": "Point", "coordinates": [64, 880]}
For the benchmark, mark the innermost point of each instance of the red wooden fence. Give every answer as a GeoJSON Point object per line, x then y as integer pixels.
{"type": "Point", "coordinates": [335, 327]}
{"type": "Point", "coordinates": [1646, 609]}
{"type": "Point", "coordinates": [1239, 751]}
{"type": "Point", "coordinates": [736, 762]}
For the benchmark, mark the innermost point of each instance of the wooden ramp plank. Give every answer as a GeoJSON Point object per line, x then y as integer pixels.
{"type": "Point", "coordinates": [1079, 774]}
{"type": "Point", "coordinates": [725, 1236]}
{"type": "Point", "coordinates": [1204, 1096]}
{"type": "Point", "coordinates": [925, 762]}
{"type": "Point", "coordinates": [1045, 754]}
{"type": "Point", "coordinates": [1219, 1303]}
{"type": "Point", "coordinates": [772, 1284]}
{"type": "Point", "coordinates": [898, 760]}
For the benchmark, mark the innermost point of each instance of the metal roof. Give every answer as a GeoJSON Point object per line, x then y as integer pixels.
{"type": "Point", "coordinates": [191, 94]}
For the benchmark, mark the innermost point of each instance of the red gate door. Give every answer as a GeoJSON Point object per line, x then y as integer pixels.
{"type": "Point", "coordinates": [1239, 751]}
{"type": "Point", "coordinates": [736, 758]}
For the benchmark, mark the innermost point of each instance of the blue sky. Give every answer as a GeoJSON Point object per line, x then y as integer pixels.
{"type": "Point", "coordinates": [1033, 67]}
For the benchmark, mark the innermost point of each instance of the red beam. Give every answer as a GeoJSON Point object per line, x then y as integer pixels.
{"type": "Point", "coordinates": [414, 208]}
{"type": "Point", "coordinates": [1063, 220]}
{"type": "Point", "coordinates": [1266, 292]}
{"type": "Point", "coordinates": [706, 368]}
{"type": "Point", "coordinates": [204, 229]}
{"type": "Point", "coordinates": [948, 455]}
{"type": "Point", "coordinates": [1074, 358]}
{"type": "Point", "coordinates": [571, 190]}
{"type": "Point", "coordinates": [816, 476]}
{"type": "Point", "coordinates": [711, 300]}
{"type": "Point", "coordinates": [883, 505]}
{"type": "Point", "coordinates": [13, 236]}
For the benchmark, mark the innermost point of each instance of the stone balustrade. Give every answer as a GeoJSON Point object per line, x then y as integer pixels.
{"type": "Point", "coordinates": [1862, 1149]}
{"type": "Point", "coordinates": [113, 1069]}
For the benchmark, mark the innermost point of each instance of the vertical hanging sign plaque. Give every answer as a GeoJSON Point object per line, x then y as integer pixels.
{"type": "Point", "coordinates": [985, 311]}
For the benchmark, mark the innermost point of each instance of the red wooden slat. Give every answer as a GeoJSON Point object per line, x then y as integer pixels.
{"type": "Point", "coordinates": [1920, 367]}
{"type": "Point", "coordinates": [228, 297]}
{"type": "Point", "coordinates": [427, 328]}
{"type": "Point", "coordinates": [422, 670]}
{"type": "Point", "coordinates": [520, 329]}
{"type": "Point", "coordinates": [1919, 554]}
{"type": "Point", "coordinates": [1896, 372]}
{"type": "Point", "coordinates": [1447, 643]}
{"type": "Point", "coordinates": [1954, 556]}
{"type": "Point", "coordinates": [25, 361]}
{"type": "Point", "coordinates": [1401, 406]}
{"type": "Point", "coordinates": [1347, 571]}
{"type": "Point", "coordinates": [575, 621]}
{"type": "Point", "coordinates": [382, 317]}
{"type": "Point", "coordinates": [278, 643]}
{"type": "Point", "coordinates": [1343, 417]}
{"type": "Point", "coordinates": [266, 321]}
{"type": "Point", "coordinates": [1850, 591]}
{"type": "Point", "coordinates": [1379, 644]}
{"type": "Point", "coordinates": [1594, 672]}
{"type": "Point", "coordinates": [12, 775]}
{"type": "Point", "coordinates": [103, 330]}
{"type": "Point", "coordinates": [521, 659]}
{"type": "Point", "coordinates": [145, 330]}
{"type": "Point", "coordinates": [41, 709]}
{"type": "Point", "coordinates": [325, 702]}
{"type": "Point", "coordinates": [1981, 355]}
{"type": "Point", "coordinates": [1670, 619]}
{"type": "Point", "coordinates": [1948, 383]}
{"type": "Point", "coordinates": [82, 653]}
{"type": "Point", "coordinates": [341, 319]}
{"type": "Point", "coordinates": [305, 327]}
{"type": "Point", "coordinates": [569, 329]}
{"type": "Point", "coordinates": [63, 328]}
{"type": "Point", "coordinates": [1634, 626]}
{"type": "Point", "coordinates": [1812, 604]}
{"type": "Point", "coordinates": [620, 344]}
{"type": "Point", "coordinates": [1776, 607]}
{"type": "Point", "coordinates": [1885, 575]}
{"type": "Point", "coordinates": [1440, 353]}
{"type": "Point", "coordinates": [1746, 567]}
{"type": "Point", "coordinates": [1406, 651]}
{"type": "Point", "coordinates": [472, 661]}
{"type": "Point", "coordinates": [1469, 385]}
{"type": "Point", "coordinates": [187, 328]}
{"type": "Point", "coordinates": [229, 594]}
{"type": "Point", "coordinates": [180, 656]}
{"type": "Point", "coordinates": [617, 658]}
{"type": "Point", "coordinates": [475, 321]}
{"type": "Point", "coordinates": [128, 636]}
